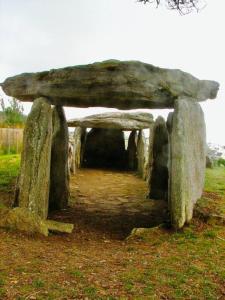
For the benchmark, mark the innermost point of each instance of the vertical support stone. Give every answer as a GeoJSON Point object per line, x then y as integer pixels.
{"type": "Point", "coordinates": [59, 179]}
{"type": "Point", "coordinates": [169, 128]}
{"type": "Point", "coordinates": [159, 177]}
{"type": "Point", "coordinates": [141, 153]}
{"type": "Point", "coordinates": [132, 151]}
{"type": "Point", "coordinates": [150, 156]}
{"type": "Point", "coordinates": [79, 144]}
{"type": "Point", "coordinates": [34, 180]}
{"type": "Point", "coordinates": [188, 154]}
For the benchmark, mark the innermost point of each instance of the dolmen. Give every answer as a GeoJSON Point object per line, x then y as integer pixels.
{"type": "Point", "coordinates": [176, 164]}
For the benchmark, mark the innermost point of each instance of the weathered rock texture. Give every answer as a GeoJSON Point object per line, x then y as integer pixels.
{"type": "Point", "coordinates": [159, 177]}
{"type": "Point", "coordinates": [149, 156]}
{"type": "Point", "coordinates": [141, 153]}
{"type": "Point", "coordinates": [188, 155]}
{"type": "Point", "coordinates": [21, 219]}
{"type": "Point", "coordinates": [33, 185]}
{"type": "Point", "coordinates": [132, 151]}
{"type": "Point", "coordinates": [113, 83]}
{"type": "Point", "coordinates": [79, 145]}
{"type": "Point", "coordinates": [71, 157]}
{"type": "Point", "coordinates": [105, 148]}
{"type": "Point", "coordinates": [59, 185]}
{"type": "Point", "coordinates": [116, 120]}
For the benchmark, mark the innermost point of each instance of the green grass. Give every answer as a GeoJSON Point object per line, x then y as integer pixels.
{"type": "Point", "coordinates": [215, 180]}
{"type": "Point", "coordinates": [76, 273]}
{"type": "Point", "coordinates": [188, 264]}
{"type": "Point", "coordinates": [213, 200]}
{"type": "Point", "coordinates": [9, 169]}
{"type": "Point", "coordinates": [38, 283]}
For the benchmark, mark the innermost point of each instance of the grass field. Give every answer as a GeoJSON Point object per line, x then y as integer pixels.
{"type": "Point", "coordinates": [93, 264]}
{"type": "Point", "coordinates": [9, 169]}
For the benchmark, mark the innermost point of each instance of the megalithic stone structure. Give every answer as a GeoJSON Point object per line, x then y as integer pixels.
{"type": "Point", "coordinates": [188, 158]}
{"type": "Point", "coordinates": [114, 84]}
{"type": "Point", "coordinates": [59, 179]}
{"type": "Point", "coordinates": [33, 185]}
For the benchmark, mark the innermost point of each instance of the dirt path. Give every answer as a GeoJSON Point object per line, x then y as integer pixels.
{"type": "Point", "coordinates": [97, 262]}
{"type": "Point", "coordinates": [112, 202]}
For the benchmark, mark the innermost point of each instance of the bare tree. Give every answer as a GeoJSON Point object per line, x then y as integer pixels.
{"type": "Point", "coordinates": [183, 6]}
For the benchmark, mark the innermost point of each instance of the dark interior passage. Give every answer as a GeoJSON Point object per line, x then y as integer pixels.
{"type": "Point", "coordinates": [105, 148]}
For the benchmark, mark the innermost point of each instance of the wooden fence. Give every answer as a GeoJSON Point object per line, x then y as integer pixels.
{"type": "Point", "coordinates": [11, 140]}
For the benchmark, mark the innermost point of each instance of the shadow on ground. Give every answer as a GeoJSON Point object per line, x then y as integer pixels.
{"type": "Point", "coordinates": [111, 202]}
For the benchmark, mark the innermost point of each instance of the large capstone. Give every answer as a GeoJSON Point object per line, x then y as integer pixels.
{"type": "Point", "coordinates": [33, 185]}
{"type": "Point", "coordinates": [113, 83]}
{"type": "Point", "coordinates": [115, 120]}
{"type": "Point", "coordinates": [132, 151]}
{"type": "Point", "coordinates": [59, 187]}
{"type": "Point", "coordinates": [159, 176]}
{"type": "Point", "coordinates": [188, 159]}
{"type": "Point", "coordinates": [105, 148]}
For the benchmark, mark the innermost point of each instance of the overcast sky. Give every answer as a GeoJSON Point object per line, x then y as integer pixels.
{"type": "Point", "coordinates": [38, 35]}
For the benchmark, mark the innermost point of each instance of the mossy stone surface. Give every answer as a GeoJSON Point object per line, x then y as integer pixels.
{"type": "Point", "coordinates": [34, 180]}
{"type": "Point", "coordinates": [21, 219]}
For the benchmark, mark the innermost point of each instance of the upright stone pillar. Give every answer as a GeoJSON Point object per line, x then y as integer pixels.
{"type": "Point", "coordinates": [188, 154]}
{"type": "Point", "coordinates": [132, 151]}
{"type": "Point", "coordinates": [79, 144]}
{"type": "Point", "coordinates": [159, 178]}
{"type": "Point", "coordinates": [34, 180]}
{"type": "Point", "coordinates": [59, 179]}
{"type": "Point", "coordinates": [141, 153]}
{"type": "Point", "coordinates": [150, 155]}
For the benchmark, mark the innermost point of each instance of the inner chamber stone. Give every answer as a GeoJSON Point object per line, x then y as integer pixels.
{"type": "Point", "coordinates": [105, 148]}
{"type": "Point", "coordinates": [159, 176]}
{"type": "Point", "coordinates": [141, 153]}
{"type": "Point", "coordinates": [79, 145]}
{"type": "Point", "coordinates": [132, 151]}
{"type": "Point", "coordinates": [59, 186]}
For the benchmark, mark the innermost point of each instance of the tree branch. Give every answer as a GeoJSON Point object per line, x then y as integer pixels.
{"type": "Point", "coordinates": [183, 6]}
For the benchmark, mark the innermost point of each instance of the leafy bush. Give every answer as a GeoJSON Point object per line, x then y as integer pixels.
{"type": "Point", "coordinates": [12, 115]}
{"type": "Point", "coordinates": [221, 162]}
